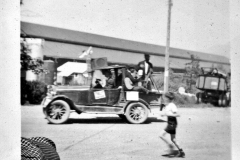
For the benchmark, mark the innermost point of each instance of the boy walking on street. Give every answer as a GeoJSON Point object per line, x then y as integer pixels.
{"type": "Point", "coordinates": [172, 113]}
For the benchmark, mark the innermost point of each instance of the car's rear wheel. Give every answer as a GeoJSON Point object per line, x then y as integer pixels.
{"type": "Point", "coordinates": [136, 113]}
{"type": "Point", "coordinates": [58, 112]}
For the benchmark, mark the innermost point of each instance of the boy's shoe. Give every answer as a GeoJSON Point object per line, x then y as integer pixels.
{"type": "Point", "coordinates": [180, 154]}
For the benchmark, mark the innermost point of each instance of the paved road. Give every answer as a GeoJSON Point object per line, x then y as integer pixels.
{"type": "Point", "coordinates": [204, 133]}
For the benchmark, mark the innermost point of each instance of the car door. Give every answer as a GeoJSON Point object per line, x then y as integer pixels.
{"type": "Point", "coordinates": [107, 97]}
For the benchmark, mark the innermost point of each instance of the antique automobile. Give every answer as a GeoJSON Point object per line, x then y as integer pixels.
{"type": "Point", "coordinates": [132, 106]}
{"type": "Point", "coordinates": [213, 86]}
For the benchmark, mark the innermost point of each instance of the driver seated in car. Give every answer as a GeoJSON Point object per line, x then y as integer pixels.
{"type": "Point", "coordinates": [104, 79]}
{"type": "Point", "coordinates": [110, 78]}
{"type": "Point", "coordinates": [98, 80]}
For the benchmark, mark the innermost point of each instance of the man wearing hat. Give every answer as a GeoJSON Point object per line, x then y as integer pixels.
{"type": "Point", "coordinates": [171, 112]}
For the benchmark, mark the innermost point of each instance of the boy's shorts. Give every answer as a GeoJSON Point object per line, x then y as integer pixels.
{"type": "Point", "coordinates": [171, 128]}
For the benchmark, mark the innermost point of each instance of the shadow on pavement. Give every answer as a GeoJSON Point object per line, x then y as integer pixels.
{"type": "Point", "coordinates": [108, 120]}
{"type": "Point", "coordinates": [97, 120]}
{"type": "Point", "coordinates": [171, 155]}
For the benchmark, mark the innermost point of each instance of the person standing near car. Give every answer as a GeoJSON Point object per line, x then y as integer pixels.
{"type": "Point", "coordinates": [145, 69]}
{"type": "Point", "coordinates": [171, 112]}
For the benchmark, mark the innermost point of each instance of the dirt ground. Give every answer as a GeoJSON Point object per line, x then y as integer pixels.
{"type": "Point", "coordinates": [203, 133]}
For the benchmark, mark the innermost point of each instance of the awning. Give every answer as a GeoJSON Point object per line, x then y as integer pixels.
{"type": "Point", "coordinates": [65, 73]}
{"type": "Point", "coordinates": [71, 67]}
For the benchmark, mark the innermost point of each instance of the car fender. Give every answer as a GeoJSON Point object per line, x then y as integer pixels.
{"type": "Point", "coordinates": [66, 99]}
{"type": "Point", "coordinates": [140, 100]}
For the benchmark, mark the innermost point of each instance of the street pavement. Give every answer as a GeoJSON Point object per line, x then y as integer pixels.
{"type": "Point", "coordinates": [204, 134]}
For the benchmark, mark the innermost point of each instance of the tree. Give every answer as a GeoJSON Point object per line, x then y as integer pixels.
{"type": "Point", "coordinates": [35, 65]}
{"type": "Point", "coordinates": [27, 62]}
{"type": "Point", "coordinates": [192, 70]}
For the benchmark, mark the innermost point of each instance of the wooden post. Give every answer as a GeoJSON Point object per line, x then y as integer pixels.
{"type": "Point", "coordinates": [88, 61]}
{"type": "Point", "coordinates": [87, 55]}
{"type": "Point", "coordinates": [166, 70]}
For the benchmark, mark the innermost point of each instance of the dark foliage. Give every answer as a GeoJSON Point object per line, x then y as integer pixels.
{"type": "Point", "coordinates": [28, 63]}
{"type": "Point", "coordinates": [192, 70]}
{"type": "Point", "coordinates": [33, 91]}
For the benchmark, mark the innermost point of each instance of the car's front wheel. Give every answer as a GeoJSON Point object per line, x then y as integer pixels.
{"type": "Point", "coordinates": [58, 112]}
{"type": "Point", "coordinates": [136, 113]}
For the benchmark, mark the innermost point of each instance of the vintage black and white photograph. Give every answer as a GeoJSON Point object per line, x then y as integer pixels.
{"type": "Point", "coordinates": [129, 80]}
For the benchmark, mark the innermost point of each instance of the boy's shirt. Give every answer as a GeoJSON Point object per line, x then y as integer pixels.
{"type": "Point", "coordinates": [171, 107]}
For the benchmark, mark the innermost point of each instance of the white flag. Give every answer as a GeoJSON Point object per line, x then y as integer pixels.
{"type": "Point", "coordinates": [87, 52]}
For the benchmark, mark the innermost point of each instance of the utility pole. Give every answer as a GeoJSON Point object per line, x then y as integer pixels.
{"type": "Point", "coordinates": [166, 71]}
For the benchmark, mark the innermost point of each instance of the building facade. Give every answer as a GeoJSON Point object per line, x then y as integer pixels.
{"type": "Point", "coordinates": [62, 45]}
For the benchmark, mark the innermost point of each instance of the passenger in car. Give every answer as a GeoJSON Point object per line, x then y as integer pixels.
{"type": "Point", "coordinates": [110, 78]}
{"type": "Point", "coordinates": [130, 85]}
{"type": "Point", "coordinates": [128, 73]}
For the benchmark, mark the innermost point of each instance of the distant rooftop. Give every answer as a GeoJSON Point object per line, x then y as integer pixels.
{"type": "Point", "coordinates": [76, 37]}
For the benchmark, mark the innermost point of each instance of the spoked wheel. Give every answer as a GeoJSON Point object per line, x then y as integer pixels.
{"type": "Point", "coordinates": [224, 101]}
{"type": "Point", "coordinates": [58, 112]}
{"type": "Point", "coordinates": [220, 102]}
{"type": "Point", "coordinates": [136, 113]}
{"type": "Point", "coordinates": [199, 97]}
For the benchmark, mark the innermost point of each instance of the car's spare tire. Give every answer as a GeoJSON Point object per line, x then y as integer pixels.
{"type": "Point", "coordinates": [58, 112]}
{"type": "Point", "coordinates": [136, 113]}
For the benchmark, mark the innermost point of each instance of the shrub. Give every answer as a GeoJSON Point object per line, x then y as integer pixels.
{"type": "Point", "coordinates": [33, 91]}
{"type": "Point", "coordinates": [175, 82]}
{"type": "Point", "coordinates": [181, 99]}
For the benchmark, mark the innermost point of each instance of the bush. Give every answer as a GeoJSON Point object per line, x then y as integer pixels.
{"type": "Point", "coordinates": [175, 82]}
{"type": "Point", "coordinates": [181, 99]}
{"type": "Point", "coordinates": [33, 91]}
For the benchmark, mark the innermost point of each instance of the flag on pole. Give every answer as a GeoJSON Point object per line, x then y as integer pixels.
{"type": "Point", "coordinates": [89, 51]}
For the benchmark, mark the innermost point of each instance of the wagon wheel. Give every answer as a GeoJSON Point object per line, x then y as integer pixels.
{"type": "Point", "coordinates": [136, 113]}
{"type": "Point", "coordinates": [58, 112]}
{"type": "Point", "coordinates": [229, 99]}
{"type": "Point", "coordinates": [199, 97]}
{"type": "Point", "coordinates": [224, 100]}
{"type": "Point", "coordinates": [220, 101]}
